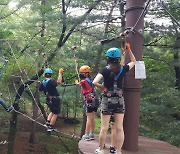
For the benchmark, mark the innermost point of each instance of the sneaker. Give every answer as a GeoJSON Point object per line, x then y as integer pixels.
{"type": "Point", "coordinates": [86, 137]}
{"type": "Point", "coordinates": [47, 124]}
{"type": "Point", "coordinates": [10, 108]}
{"type": "Point", "coordinates": [98, 151]}
{"type": "Point", "coordinates": [91, 136]}
{"type": "Point", "coordinates": [50, 129]}
{"type": "Point", "coordinates": [112, 149]}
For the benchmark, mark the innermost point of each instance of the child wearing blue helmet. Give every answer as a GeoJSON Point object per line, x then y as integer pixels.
{"type": "Point", "coordinates": [112, 101]}
{"type": "Point", "coordinates": [48, 86]}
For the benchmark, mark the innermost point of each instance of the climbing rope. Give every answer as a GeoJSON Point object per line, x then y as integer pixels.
{"type": "Point", "coordinates": [75, 61]}
{"type": "Point", "coordinates": [27, 86]}
{"type": "Point", "coordinates": [3, 68]}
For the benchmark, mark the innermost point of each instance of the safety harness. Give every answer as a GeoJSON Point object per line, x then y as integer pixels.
{"type": "Point", "coordinates": [45, 82]}
{"type": "Point", "coordinates": [115, 91]}
{"type": "Point", "coordinates": [90, 97]}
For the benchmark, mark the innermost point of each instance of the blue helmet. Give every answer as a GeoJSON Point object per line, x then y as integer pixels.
{"type": "Point", "coordinates": [113, 53]}
{"type": "Point", "coordinates": [48, 71]}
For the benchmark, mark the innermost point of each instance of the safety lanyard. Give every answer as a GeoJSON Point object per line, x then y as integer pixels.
{"type": "Point", "coordinates": [45, 82]}
{"type": "Point", "coordinates": [115, 79]}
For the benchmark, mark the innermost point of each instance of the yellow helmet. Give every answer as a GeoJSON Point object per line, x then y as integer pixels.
{"type": "Point", "coordinates": [85, 69]}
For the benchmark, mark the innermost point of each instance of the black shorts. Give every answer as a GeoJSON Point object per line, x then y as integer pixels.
{"type": "Point", "coordinates": [91, 109]}
{"type": "Point", "coordinates": [54, 105]}
{"type": "Point", "coordinates": [91, 106]}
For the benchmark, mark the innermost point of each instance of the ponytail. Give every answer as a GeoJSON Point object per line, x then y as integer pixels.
{"type": "Point", "coordinates": [114, 66]}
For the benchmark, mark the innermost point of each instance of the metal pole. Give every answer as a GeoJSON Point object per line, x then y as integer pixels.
{"type": "Point", "coordinates": [132, 86]}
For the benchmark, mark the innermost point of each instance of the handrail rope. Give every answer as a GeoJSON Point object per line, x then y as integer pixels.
{"type": "Point", "coordinates": [172, 17]}
{"type": "Point", "coordinates": [22, 79]}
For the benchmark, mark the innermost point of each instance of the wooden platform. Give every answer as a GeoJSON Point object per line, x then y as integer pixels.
{"type": "Point", "coordinates": [146, 146]}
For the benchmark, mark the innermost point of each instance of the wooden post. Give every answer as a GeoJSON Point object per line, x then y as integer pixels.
{"type": "Point", "coordinates": [132, 85]}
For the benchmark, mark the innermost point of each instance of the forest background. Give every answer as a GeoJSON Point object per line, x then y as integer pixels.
{"type": "Point", "coordinates": [35, 34]}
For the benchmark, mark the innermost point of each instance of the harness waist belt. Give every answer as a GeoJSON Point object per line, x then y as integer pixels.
{"type": "Point", "coordinates": [112, 95]}
{"type": "Point", "coordinates": [90, 96]}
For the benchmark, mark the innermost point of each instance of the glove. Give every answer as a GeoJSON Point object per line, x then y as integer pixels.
{"type": "Point", "coordinates": [104, 89]}
{"type": "Point", "coordinates": [128, 47]}
{"type": "Point", "coordinates": [61, 70]}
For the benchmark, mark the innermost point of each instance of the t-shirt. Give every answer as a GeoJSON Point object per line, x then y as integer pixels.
{"type": "Point", "coordinates": [108, 81]}
{"type": "Point", "coordinates": [50, 88]}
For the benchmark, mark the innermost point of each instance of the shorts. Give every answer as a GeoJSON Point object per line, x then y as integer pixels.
{"type": "Point", "coordinates": [91, 106]}
{"type": "Point", "coordinates": [54, 105]}
{"type": "Point", "coordinates": [115, 105]}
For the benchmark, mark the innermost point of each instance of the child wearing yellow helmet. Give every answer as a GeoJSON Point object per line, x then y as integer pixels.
{"type": "Point", "coordinates": [91, 101]}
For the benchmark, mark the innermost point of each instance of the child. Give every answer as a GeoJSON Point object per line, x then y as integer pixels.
{"type": "Point", "coordinates": [112, 101]}
{"type": "Point", "coordinates": [7, 108]}
{"type": "Point", "coordinates": [91, 102]}
{"type": "Point", "coordinates": [48, 86]}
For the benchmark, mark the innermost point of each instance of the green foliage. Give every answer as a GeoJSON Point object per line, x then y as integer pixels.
{"type": "Point", "coordinates": [160, 102]}
{"type": "Point", "coordinates": [54, 145]}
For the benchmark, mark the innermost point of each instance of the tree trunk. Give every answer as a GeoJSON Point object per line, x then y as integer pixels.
{"type": "Point", "coordinates": [132, 85]}
{"type": "Point", "coordinates": [32, 138]}
{"type": "Point", "coordinates": [83, 128]}
{"type": "Point", "coordinates": [12, 131]}
{"type": "Point", "coordinates": [177, 71]}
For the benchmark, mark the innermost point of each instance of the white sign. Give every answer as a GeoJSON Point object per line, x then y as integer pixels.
{"type": "Point", "coordinates": [140, 71]}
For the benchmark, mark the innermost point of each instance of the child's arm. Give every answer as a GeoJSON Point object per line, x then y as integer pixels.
{"type": "Point", "coordinates": [77, 82]}
{"type": "Point", "coordinates": [132, 57]}
{"type": "Point", "coordinates": [96, 82]}
{"type": "Point", "coordinates": [59, 80]}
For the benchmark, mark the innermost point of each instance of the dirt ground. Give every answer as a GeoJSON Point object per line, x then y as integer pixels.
{"type": "Point", "coordinates": [22, 146]}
